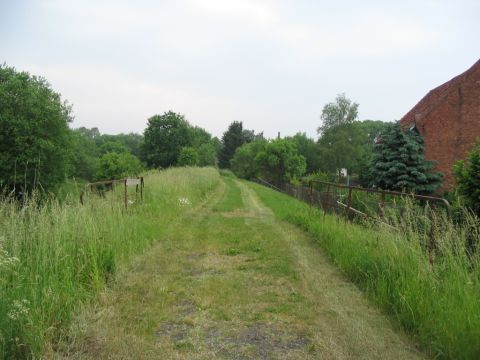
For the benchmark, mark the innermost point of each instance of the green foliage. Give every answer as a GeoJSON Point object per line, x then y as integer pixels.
{"type": "Point", "coordinates": [347, 145]}
{"type": "Point", "coordinates": [164, 136]}
{"type": "Point", "coordinates": [97, 156]}
{"type": "Point", "coordinates": [188, 157]}
{"type": "Point", "coordinates": [467, 175]}
{"type": "Point", "coordinates": [399, 164]}
{"type": "Point", "coordinates": [342, 111]}
{"type": "Point", "coordinates": [321, 176]}
{"type": "Point", "coordinates": [244, 163]}
{"type": "Point", "coordinates": [131, 141]}
{"type": "Point", "coordinates": [83, 157]}
{"type": "Point", "coordinates": [280, 161]}
{"type": "Point", "coordinates": [198, 136]}
{"type": "Point", "coordinates": [276, 160]}
{"type": "Point", "coordinates": [112, 146]}
{"type": "Point", "coordinates": [118, 165]}
{"type": "Point", "coordinates": [207, 154]}
{"type": "Point", "coordinates": [231, 140]}
{"type": "Point", "coordinates": [310, 150]}
{"type": "Point", "coordinates": [34, 133]}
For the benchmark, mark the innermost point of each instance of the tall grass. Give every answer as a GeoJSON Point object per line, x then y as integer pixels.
{"type": "Point", "coordinates": [56, 256]}
{"type": "Point", "coordinates": [434, 295]}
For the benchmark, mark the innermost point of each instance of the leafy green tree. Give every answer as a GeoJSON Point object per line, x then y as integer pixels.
{"type": "Point", "coordinates": [199, 136]}
{"type": "Point", "coordinates": [132, 141]}
{"type": "Point", "coordinates": [399, 164]}
{"type": "Point", "coordinates": [34, 133]}
{"type": "Point", "coordinates": [118, 165]}
{"type": "Point", "coordinates": [92, 133]}
{"type": "Point", "coordinates": [112, 146]}
{"type": "Point", "coordinates": [280, 161]}
{"type": "Point", "coordinates": [467, 175]}
{"type": "Point", "coordinates": [83, 157]}
{"type": "Point", "coordinates": [348, 146]}
{"type": "Point", "coordinates": [164, 136]}
{"type": "Point", "coordinates": [309, 149]}
{"type": "Point", "coordinates": [342, 111]}
{"type": "Point", "coordinates": [244, 163]}
{"type": "Point", "coordinates": [188, 157]}
{"type": "Point", "coordinates": [207, 154]}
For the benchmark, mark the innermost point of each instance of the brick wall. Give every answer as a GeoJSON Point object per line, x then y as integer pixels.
{"type": "Point", "coordinates": [448, 118]}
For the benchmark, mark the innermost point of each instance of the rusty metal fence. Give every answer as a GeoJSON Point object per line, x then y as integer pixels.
{"type": "Point", "coordinates": [338, 198]}
{"type": "Point", "coordinates": [101, 187]}
{"type": "Point", "coordinates": [343, 200]}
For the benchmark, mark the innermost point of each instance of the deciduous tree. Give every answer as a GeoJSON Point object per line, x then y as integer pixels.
{"type": "Point", "coordinates": [342, 111]}
{"type": "Point", "coordinates": [34, 133]}
{"type": "Point", "coordinates": [164, 136]}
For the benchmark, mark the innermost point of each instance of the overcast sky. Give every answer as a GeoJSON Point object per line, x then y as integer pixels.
{"type": "Point", "coordinates": [271, 64]}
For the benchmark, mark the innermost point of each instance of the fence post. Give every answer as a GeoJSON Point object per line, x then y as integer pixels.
{"type": "Point", "coordinates": [382, 205]}
{"type": "Point", "coordinates": [311, 192]}
{"type": "Point", "coordinates": [349, 202]}
{"type": "Point", "coordinates": [141, 188]}
{"type": "Point", "coordinates": [432, 243]}
{"type": "Point", "coordinates": [328, 203]}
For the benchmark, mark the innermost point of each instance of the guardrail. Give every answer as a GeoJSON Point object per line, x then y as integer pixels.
{"type": "Point", "coordinates": [329, 200]}
{"type": "Point", "coordinates": [110, 185]}
{"type": "Point", "coordinates": [431, 200]}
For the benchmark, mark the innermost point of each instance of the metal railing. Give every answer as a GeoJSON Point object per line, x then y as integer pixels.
{"type": "Point", "coordinates": [109, 185]}
{"type": "Point", "coordinates": [327, 196]}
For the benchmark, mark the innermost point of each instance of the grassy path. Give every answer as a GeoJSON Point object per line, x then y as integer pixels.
{"type": "Point", "coordinates": [227, 281]}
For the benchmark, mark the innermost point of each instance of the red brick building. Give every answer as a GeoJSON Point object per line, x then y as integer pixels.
{"type": "Point", "coordinates": [448, 118]}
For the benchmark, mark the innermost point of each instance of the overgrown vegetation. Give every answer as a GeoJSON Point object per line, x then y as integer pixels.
{"type": "Point", "coordinates": [437, 303]}
{"type": "Point", "coordinates": [55, 257]}
{"type": "Point", "coordinates": [467, 174]}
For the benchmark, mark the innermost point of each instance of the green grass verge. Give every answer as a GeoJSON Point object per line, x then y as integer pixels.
{"type": "Point", "coordinates": [438, 304]}
{"type": "Point", "coordinates": [57, 256]}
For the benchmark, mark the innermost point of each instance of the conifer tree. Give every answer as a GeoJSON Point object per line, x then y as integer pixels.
{"type": "Point", "coordinates": [399, 164]}
{"type": "Point", "coordinates": [231, 140]}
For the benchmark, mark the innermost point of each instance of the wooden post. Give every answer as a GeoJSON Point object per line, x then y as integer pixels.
{"type": "Point", "coordinates": [141, 188]}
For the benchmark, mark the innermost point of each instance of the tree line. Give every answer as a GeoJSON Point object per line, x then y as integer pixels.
{"type": "Point", "coordinates": [38, 149]}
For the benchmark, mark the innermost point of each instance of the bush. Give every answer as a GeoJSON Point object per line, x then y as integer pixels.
{"type": "Point", "coordinates": [188, 157]}
{"type": "Point", "coordinates": [467, 174]}
{"type": "Point", "coordinates": [118, 165]}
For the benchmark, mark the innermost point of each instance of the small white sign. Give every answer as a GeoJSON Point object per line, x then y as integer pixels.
{"type": "Point", "coordinates": [131, 182]}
